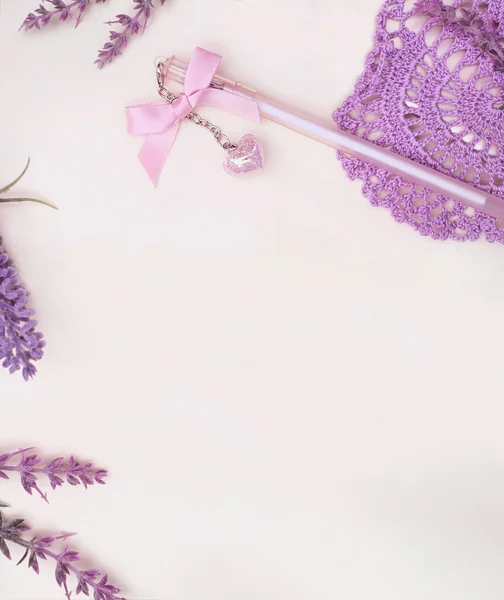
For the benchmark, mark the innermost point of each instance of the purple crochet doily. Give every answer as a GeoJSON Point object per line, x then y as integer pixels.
{"type": "Point", "coordinates": [432, 96]}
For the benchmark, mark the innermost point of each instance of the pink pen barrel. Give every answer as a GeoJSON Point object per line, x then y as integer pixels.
{"type": "Point", "coordinates": [356, 146]}
{"type": "Point", "coordinates": [328, 134]}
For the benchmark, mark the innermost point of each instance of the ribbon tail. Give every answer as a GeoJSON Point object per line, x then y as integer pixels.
{"type": "Point", "coordinates": [149, 118]}
{"type": "Point", "coordinates": [155, 151]}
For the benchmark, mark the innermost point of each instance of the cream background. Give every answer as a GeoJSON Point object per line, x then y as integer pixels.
{"type": "Point", "coordinates": [296, 397]}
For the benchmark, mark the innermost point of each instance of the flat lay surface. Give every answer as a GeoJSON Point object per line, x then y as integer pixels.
{"type": "Point", "coordinates": [296, 396]}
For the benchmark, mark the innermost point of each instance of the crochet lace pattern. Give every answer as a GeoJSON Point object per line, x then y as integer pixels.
{"type": "Point", "coordinates": [431, 92]}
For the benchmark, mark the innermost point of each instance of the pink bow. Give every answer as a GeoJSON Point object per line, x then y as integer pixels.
{"type": "Point", "coordinates": [160, 121]}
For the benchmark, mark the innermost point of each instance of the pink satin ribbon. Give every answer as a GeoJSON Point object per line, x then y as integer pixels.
{"type": "Point", "coordinates": [160, 121]}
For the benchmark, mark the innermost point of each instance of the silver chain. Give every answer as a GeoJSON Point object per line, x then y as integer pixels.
{"type": "Point", "coordinates": [221, 138]}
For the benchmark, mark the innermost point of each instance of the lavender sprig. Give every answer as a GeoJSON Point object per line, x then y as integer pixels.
{"type": "Point", "coordinates": [62, 11]}
{"type": "Point", "coordinates": [131, 26]}
{"type": "Point", "coordinates": [88, 581]}
{"type": "Point", "coordinates": [30, 468]}
{"type": "Point", "coordinates": [20, 344]}
{"type": "Point", "coordinates": [118, 40]}
{"type": "Point", "coordinates": [461, 21]}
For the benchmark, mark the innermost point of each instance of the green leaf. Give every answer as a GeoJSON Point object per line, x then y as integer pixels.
{"type": "Point", "coordinates": [3, 548]}
{"type": "Point", "coordinates": [13, 183]}
{"type": "Point", "coordinates": [23, 557]}
{"type": "Point", "coordinates": [36, 200]}
{"type": "Point", "coordinates": [16, 523]}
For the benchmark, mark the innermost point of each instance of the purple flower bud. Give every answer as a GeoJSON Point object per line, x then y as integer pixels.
{"type": "Point", "coordinates": [20, 344]}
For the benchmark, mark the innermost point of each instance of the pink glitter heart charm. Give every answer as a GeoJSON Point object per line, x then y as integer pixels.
{"type": "Point", "coordinates": [246, 157]}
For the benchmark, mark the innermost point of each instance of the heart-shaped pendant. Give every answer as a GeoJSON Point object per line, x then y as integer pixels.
{"type": "Point", "coordinates": [247, 156]}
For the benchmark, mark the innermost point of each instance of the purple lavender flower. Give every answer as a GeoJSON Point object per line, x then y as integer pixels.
{"type": "Point", "coordinates": [118, 40]}
{"type": "Point", "coordinates": [30, 467]}
{"type": "Point", "coordinates": [87, 581]}
{"type": "Point", "coordinates": [431, 8]}
{"type": "Point", "coordinates": [461, 21]}
{"type": "Point", "coordinates": [20, 344]}
{"type": "Point", "coordinates": [61, 12]}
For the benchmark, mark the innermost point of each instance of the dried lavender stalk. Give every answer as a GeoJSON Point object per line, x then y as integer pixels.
{"type": "Point", "coordinates": [62, 11]}
{"type": "Point", "coordinates": [483, 31]}
{"type": "Point", "coordinates": [30, 468]}
{"type": "Point", "coordinates": [118, 40]}
{"type": "Point", "coordinates": [88, 581]}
